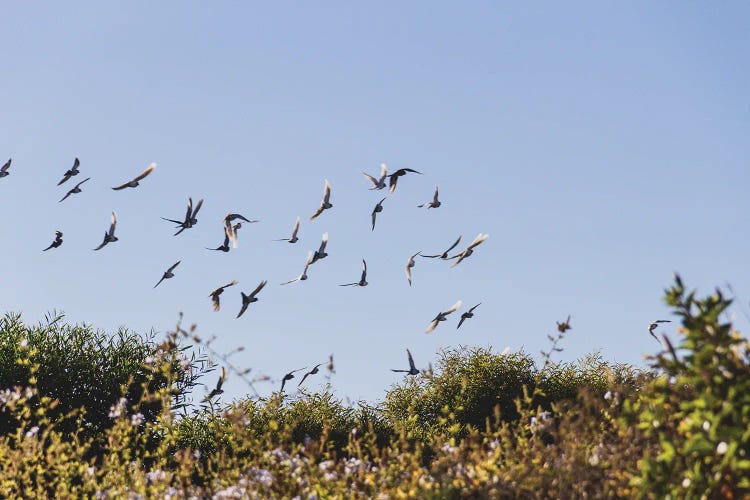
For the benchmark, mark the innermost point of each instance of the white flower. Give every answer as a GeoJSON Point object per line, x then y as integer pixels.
{"type": "Point", "coordinates": [721, 448]}
{"type": "Point", "coordinates": [262, 476]}
{"type": "Point", "coordinates": [155, 475]}
{"type": "Point", "coordinates": [686, 482]}
{"type": "Point", "coordinates": [706, 425]}
{"type": "Point", "coordinates": [608, 395]}
{"type": "Point", "coordinates": [90, 471]}
{"type": "Point", "coordinates": [32, 432]}
{"type": "Point", "coordinates": [118, 409]}
{"type": "Point", "coordinates": [330, 476]}
{"type": "Point", "coordinates": [24, 343]}
{"type": "Point", "coordinates": [137, 419]}
{"type": "Point", "coordinates": [325, 465]}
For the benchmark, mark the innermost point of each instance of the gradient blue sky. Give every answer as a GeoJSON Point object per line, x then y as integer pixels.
{"type": "Point", "coordinates": [601, 146]}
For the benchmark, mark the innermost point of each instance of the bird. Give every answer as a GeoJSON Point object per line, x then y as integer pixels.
{"type": "Point", "coordinates": [190, 216]}
{"type": "Point", "coordinates": [393, 178]}
{"type": "Point", "coordinates": [76, 189]}
{"type": "Point", "coordinates": [215, 294]}
{"type": "Point", "coordinates": [232, 230]}
{"type": "Point", "coordinates": [320, 253]}
{"type": "Point", "coordinates": [412, 369]}
{"type": "Point", "coordinates": [378, 183]}
{"type": "Point", "coordinates": [654, 325]}
{"type": "Point", "coordinates": [468, 314]}
{"type": "Point", "coordinates": [442, 316]}
{"type": "Point", "coordinates": [444, 255]}
{"type": "Point", "coordinates": [224, 246]}
{"type": "Point", "coordinates": [362, 281]}
{"type": "Point", "coordinates": [325, 204]}
{"type": "Point", "coordinates": [311, 372]}
{"type": "Point", "coordinates": [71, 172]}
{"type": "Point", "coordinates": [434, 203]}
{"type": "Point", "coordinates": [289, 376]}
{"type": "Point", "coordinates": [134, 182]}
{"type": "Point", "coordinates": [378, 208]}
{"type": "Point", "coordinates": [409, 264]}
{"type": "Point", "coordinates": [564, 326]}
{"type": "Point", "coordinates": [168, 273]}
{"type": "Point", "coordinates": [109, 236]}
{"type": "Point", "coordinates": [302, 276]}
{"type": "Point", "coordinates": [218, 390]}
{"type": "Point", "coordinates": [470, 249]}
{"type": "Point", "coordinates": [294, 238]}
{"type": "Point", "coordinates": [58, 241]}
{"type": "Point", "coordinates": [4, 168]}
{"type": "Point", "coordinates": [249, 299]}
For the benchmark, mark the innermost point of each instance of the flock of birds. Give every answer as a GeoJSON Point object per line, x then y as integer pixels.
{"type": "Point", "coordinates": [233, 222]}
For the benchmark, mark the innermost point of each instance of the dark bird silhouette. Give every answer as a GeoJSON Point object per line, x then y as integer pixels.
{"type": "Point", "coordinates": [302, 276]}
{"type": "Point", "coordinates": [4, 168]}
{"type": "Point", "coordinates": [215, 294]}
{"type": "Point", "coordinates": [70, 173]}
{"type": "Point", "coordinates": [289, 376]}
{"type": "Point", "coordinates": [434, 203]}
{"type": "Point", "coordinates": [442, 316]}
{"type": "Point", "coordinates": [468, 314]}
{"type": "Point", "coordinates": [325, 204]}
{"type": "Point", "coordinates": [249, 299]}
{"type": "Point", "coordinates": [362, 281]}
{"type": "Point", "coordinates": [378, 183]}
{"type": "Point", "coordinates": [224, 246]}
{"type": "Point", "coordinates": [393, 178]}
{"type": "Point", "coordinates": [320, 253]}
{"type": "Point", "coordinates": [444, 255]}
{"type": "Point", "coordinates": [76, 189]}
{"type": "Point", "coordinates": [654, 325]}
{"type": "Point", "coordinates": [412, 369]}
{"type": "Point", "coordinates": [218, 390]}
{"type": "Point", "coordinates": [409, 264]}
{"type": "Point", "coordinates": [58, 241]}
{"type": "Point", "coordinates": [134, 182]}
{"type": "Point", "coordinates": [469, 250]}
{"type": "Point", "coordinates": [109, 236]}
{"type": "Point", "coordinates": [168, 273]}
{"type": "Point", "coordinates": [378, 208]}
{"type": "Point", "coordinates": [311, 372]}
{"type": "Point", "coordinates": [293, 238]}
{"type": "Point", "coordinates": [190, 216]}
{"type": "Point", "coordinates": [232, 230]}
{"type": "Point", "coordinates": [564, 326]}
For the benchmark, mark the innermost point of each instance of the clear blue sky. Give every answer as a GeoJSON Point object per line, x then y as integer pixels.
{"type": "Point", "coordinates": [601, 146]}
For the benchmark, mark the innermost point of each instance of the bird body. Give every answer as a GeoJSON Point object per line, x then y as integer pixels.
{"type": "Point", "coordinates": [289, 376]}
{"type": "Point", "coordinates": [109, 236]}
{"type": "Point", "coordinates": [378, 208]}
{"type": "Point", "coordinates": [469, 250]}
{"type": "Point", "coordinates": [218, 390]}
{"type": "Point", "coordinates": [442, 316]}
{"type": "Point", "coordinates": [311, 372]}
{"type": "Point", "coordinates": [325, 204]}
{"type": "Point", "coordinates": [362, 281]}
{"type": "Point", "coordinates": [58, 241]}
{"type": "Point", "coordinates": [409, 264]}
{"type": "Point", "coordinates": [232, 230]}
{"type": "Point", "coordinates": [444, 255]}
{"type": "Point", "coordinates": [249, 299]}
{"type": "Point", "coordinates": [378, 183]}
{"type": "Point", "coordinates": [434, 203]}
{"type": "Point", "coordinates": [302, 276]}
{"type": "Point", "coordinates": [71, 172]}
{"type": "Point", "coordinates": [190, 216]}
{"type": "Point", "coordinates": [654, 325]}
{"type": "Point", "coordinates": [135, 182]}
{"type": "Point", "coordinates": [393, 178]}
{"type": "Point", "coordinates": [468, 314]}
{"type": "Point", "coordinates": [293, 238]}
{"type": "Point", "coordinates": [76, 189]}
{"type": "Point", "coordinates": [4, 169]}
{"type": "Point", "coordinates": [168, 273]}
{"type": "Point", "coordinates": [320, 253]}
{"type": "Point", "coordinates": [216, 293]}
{"type": "Point", "coordinates": [412, 369]}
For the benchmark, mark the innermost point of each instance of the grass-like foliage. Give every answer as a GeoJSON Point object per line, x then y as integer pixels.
{"type": "Point", "coordinates": [479, 424]}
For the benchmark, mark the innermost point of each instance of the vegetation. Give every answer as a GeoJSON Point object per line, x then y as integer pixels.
{"type": "Point", "coordinates": [480, 425]}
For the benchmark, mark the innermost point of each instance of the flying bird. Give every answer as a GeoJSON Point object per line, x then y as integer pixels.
{"type": "Point", "coordinates": [289, 376]}
{"type": "Point", "coordinates": [215, 294]}
{"type": "Point", "coordinates": [134, 182]}
{"type": "Point", "coordinates": [324, 205]}
{"type": "Point", "coordinates": [468, 314]}
{"type": "Point", "coordinates": [70, 173]}
{"type": "Point", "coordinates": [249, 299]}
{"type": "Point", "coordinates": [470, 249]}
{"type": "Point", "coordinates": [294, 238]}
{"type": "Point", "coordinates": [412, 369]}
{"type": "Point", "coordinates": [393, 178]}
{"type": "Point", "coordinates": [378, 208]}
{"type": "Point", "coordinates": [168, 273]}
{"type": "Point", "coordinates": [442, 316]}
{"type": "Point", "coordinates": [378, 183]}
{"type": "Point", "coordinates": [444, 255]}
{"type": "Point", "coordinates": [232, 230]}
{"type": "Point", "coordinates": [190, 216]}
{"type": "Point", "coordinates": [434, 203]}
{"type": "Point", "coordinates": [654, 325]}
{"type": "Point", "coordinates": [320, 253]}
{"type": "Point", "coordinates": [224, 247]}
{"type": "Point", "coordinates": [109, 236]}
{"type": "Point", "coordinates": [76, 189]}
{"type": "Point", "coordinates": [58, 241]}
{"type": "Point", "coordinates": [4, 168]}
{"type": "Point", "coordinates": [409, 264]}
{"type": "Point", "coordinates": [564, 326]}
{"type": "Point", "coordinates": [362, 281]}
{"type": "Point", "coordinates": [302, 276]}
{"type": "Point", "coordinates": [218, 390]}
{"type": "Point", "coordinates": [311, 372]}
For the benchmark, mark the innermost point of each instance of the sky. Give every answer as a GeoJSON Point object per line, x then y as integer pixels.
{"type": "Point", "coordinates": [601, 146]}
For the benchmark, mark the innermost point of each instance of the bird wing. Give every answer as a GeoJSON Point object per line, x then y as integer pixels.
{"type": "Point", "coordinates": [296, 228]}
{"type": "Point", "coordinates": [432, 326]}
{"type": "Point", "coordinates": [454, 245]}
{"type": "Point", "coordinates": [408, 272]}
{"type": "Point", "coordinates": [173, 266]}
{"type": "Point", "coordinates": [479, 239]}
{"type": "Point", "coordinates": [453, 308]}
{"type": "Point", "coordinates": [258, 288]}
{"type": "Point", "coordinates": [67, 194]}
{"type": "Point", "coordinates": [5, 167]}
{"type": "Point", "coordinates": [317, 212]}
{"type": "Point", "coordinates": [472, 309]}
{"type": "Point", "coordinates": [383, 172]}
{"type": "Point", "coordinates": [215, 300]}
{"type": "Point", "coordinates": [364, 270]}
{"type": "Point", "coordinates": [435, 197]}
{"type": "Point", "coordinates": [392, 181]}
{"type": "Point", "coordinates": [327, 192]}
{"type": "Point", "coordinates": [143, 174]}
{"type": "Point", "coordinates": [113, 224]}
{"type": "Point", "coordinates": [323, 243]}
{"type": "Point", "coordinates": [104, 242]}
{"type": "Point", "coordinates": [66, 176]}
{"type": "Point", "coordinates": [371, 179]}
{"type": "Point", "coordinates": [189, 209]}
{"type": "Point", "coordinates": [245, 303]}
{"type": "Point", "coordinates": [461, 321]}
{"type": "Point", "coordinates": [410, 170]}
{"type": "Point", "coordinates": [411, 360]}
{"type": "Point", "coordinates": [162, 279]}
